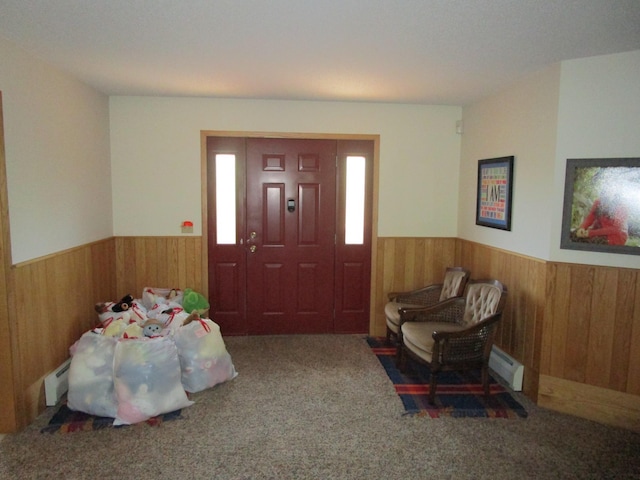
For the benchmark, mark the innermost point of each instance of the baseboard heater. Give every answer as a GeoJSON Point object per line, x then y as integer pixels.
{"type": "Point", "coordinates": [56, 384]}
{"type": "Point", "coordinates": [507, 368]}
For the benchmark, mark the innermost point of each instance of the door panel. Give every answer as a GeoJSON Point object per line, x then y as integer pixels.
{"type": "Point", "coordinates": [227, 262]}
{"type": "Point", "coordinates": [290, 264]}
{"type": "Point", "coordinates": [353, 262]}
{"type": "Point", "coordinates": [273, 217]}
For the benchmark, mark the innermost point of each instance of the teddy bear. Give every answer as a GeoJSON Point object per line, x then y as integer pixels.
{"type": "Point", "coordinates": [121, 306]}
{"type": "Point", "coordinates": [126, 309]}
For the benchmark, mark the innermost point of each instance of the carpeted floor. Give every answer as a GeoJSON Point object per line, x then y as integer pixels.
{"type": "Point", "coordinates": [322, 407]}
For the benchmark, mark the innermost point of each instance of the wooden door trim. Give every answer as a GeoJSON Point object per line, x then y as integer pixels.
{"type": "Point", "coordinates": [13, 418]}
{"type": "Point", "coordinates": [286, 135]}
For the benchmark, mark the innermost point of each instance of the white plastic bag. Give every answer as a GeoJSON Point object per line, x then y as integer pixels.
{"type": "Point", "coordinates": [136, 312]}
{"type": "Point", "coordinates": [147, 379]}
{"type": "Point", "coordinates": [91, 388]}
{"type": "Point", "coordinates": [204, 359]}
{"type": "Point", "coordinates": [171, 315]}
{"type": "Point", "coordinates": [161, 296]}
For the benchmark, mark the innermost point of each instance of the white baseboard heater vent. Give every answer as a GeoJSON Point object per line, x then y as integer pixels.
{"type": "Point", "coordinates": [56, 383]}
{"type": "Point", "coordinates": [507, 368]}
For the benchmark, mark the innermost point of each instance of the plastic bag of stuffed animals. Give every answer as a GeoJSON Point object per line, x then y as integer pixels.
{"type": "Point", "coordinates": [204, 359]}
{"type": "Point", "coordinates": [125, 311]}
{"type": "Point", "coordinates": [147, 379]}
{"type": "Point", "coordinates": [91, 388]}
{"type": "Point", "coordinates": [161, 296]}
{"type": "Point", "coordinates": [170, 317]}
{"type": "Point", "coordinates": [146, 354]}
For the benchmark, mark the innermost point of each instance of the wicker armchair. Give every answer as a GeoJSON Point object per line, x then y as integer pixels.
{"type": "Point", "coordinates": [455, 279]}
{"type": "Point", "coordinates": [456, 334]}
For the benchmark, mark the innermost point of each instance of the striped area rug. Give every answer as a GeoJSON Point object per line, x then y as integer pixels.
{"type": "Point", "coordinates": [457, 395]}
{"type": "Point", "coordinates": [69, 421]}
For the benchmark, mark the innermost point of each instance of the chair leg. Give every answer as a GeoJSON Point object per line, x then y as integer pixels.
{"type": "Point", "coordinates": [432, 388]}
{"type": "Point", "coordinates": [485, 379]}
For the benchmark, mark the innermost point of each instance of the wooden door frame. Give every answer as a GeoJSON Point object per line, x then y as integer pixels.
{"type": "Point", "coordinates": [293, 135]}
{"type": "Point", "coordinates": [12, 419]}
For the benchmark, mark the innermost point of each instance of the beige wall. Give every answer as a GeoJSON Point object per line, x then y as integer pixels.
{"type": "Point", "coordinates": [598, 117]}
{"type": "Point", "coordinates": [155, 147]}
{"type": "Point", "coordinates": [586, 108]}
{"type": "Point", "coordinates": [520, 121]}
{"type": "Point", "coordinates": [57, 156]}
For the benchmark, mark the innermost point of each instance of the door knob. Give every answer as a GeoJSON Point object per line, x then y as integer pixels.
{"type": "Point", "coordinates": [253, 248]}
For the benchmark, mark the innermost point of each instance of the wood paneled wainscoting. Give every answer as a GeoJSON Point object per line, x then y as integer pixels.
{"type": "Point", "coordinates": [53, 300]}
{"type": "Point", "coordinates": [590, 358]}
{"type": "Point", "coordinates": [172, 262]}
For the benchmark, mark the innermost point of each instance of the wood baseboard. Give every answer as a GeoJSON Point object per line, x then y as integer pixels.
{"type": "Point", "coordinates": [601, 405]}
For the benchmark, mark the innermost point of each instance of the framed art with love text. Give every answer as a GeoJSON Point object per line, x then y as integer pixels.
{"type": "Point", "coordinates": [495, 190]}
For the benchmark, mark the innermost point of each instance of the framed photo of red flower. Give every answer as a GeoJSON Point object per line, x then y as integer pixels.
{"type": "Point", "coordinates": [601, 210]}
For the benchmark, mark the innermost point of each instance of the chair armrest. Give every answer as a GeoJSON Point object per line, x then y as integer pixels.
{"type": "Point", "coordinates": [422, 296]}
{"type": "Point", "coordinates": [450, 311]}
{"type": "Point", "coordinates": [468, 345]}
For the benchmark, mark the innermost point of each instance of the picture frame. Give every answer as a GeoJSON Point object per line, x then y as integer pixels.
{"type": "Point", "coordinates": [601, 210]}
{"type": "Point", "coordinates": [495, 192]}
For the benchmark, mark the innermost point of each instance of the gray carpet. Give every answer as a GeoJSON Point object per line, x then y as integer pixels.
{"type": "Point", "coordinates": [321, 407]}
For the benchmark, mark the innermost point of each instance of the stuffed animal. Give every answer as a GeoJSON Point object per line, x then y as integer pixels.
{"type": "Point", "coordinates": [115, 328]}
{"type": "Point", "coordinates": [165, 296]}
{"type": "Point", "coordinates": [194, 302]}
{"type": "Point", "coordinates": [133, 330]}
{"type": "Point", "coordinates": [152, 328]}
{"type": "Point", "coordinates": [192, 316]}
{"type": "Point", "coordinates": [126, 309]}
{"type": "Point", "coordinates": [122, 306]}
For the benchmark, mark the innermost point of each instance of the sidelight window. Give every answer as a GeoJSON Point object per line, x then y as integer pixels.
{"type": "Point", "coordinates": [354, 217]}
{"type": "Point", "coordinates": [226, 199]}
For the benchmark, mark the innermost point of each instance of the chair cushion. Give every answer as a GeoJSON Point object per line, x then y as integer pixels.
{"type": "Point", "coordinates": [417, 336]}
{"type": "Point", "coordinates": [482, 301]}
{"type": "Point", "coordinates": [393, 317]}
{"type": "Point", "coordinates": [451, 284]}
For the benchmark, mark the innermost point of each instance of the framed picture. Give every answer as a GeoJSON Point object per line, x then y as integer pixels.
{"type": "Point", "coordinates": [602, 205]}
{"type": "Point", "coordinates": [495, 188]}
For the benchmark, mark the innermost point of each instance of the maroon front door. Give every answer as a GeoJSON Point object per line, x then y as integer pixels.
{"type": "Point", "coordinates": [290, 235]}
{"type": "Point", "coordinates": [288, 268]}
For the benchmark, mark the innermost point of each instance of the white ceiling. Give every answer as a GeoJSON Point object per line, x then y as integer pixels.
{"type": "Point", "coordinates": [450, 52]}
